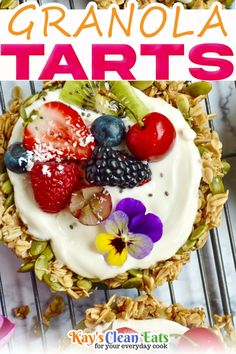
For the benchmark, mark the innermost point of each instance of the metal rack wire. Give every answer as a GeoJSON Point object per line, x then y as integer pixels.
{"type": "Point", "coordinates": [225, 300]}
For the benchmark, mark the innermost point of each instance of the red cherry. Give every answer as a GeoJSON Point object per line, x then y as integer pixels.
{"type": "Point", "coordinates": [125, 330]}
{"type": "Point", "coordinates": [153, 140]}
{"type": "Point", "coordinates": [199, 340]}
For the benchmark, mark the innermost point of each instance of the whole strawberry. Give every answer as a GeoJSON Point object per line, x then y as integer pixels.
{"type": "Point", "coordinates": [53, 184]}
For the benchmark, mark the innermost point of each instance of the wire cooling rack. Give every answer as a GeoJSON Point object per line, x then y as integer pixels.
{"type": "Point", "coordinates": [212, 250]}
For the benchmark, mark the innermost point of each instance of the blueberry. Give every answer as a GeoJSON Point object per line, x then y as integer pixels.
{"type": "Point", "coordinates": [16, 158]}
{"type": "Point", "coordinates": [108, 130]}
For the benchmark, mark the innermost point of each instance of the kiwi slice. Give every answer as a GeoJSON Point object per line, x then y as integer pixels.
{"type": "Point", "coordinates": [107, 97]}
{"type": "Point", "coordinates": [92, 95]}
{"type": "Point", "coordinates": [127, 96]}
{"type": "Point", "coordinates": [141, 85]}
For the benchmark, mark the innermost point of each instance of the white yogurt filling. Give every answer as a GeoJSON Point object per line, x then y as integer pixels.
{"type": "Point", "coordinates": [172, 194]}
{"type": "Point", "coordinates": [154, 325]}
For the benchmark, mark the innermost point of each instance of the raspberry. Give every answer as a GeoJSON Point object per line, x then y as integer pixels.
{"type": "Point", "coordinates": [53, 184]}
{"type": "Point", "coordinates": [109, 167]}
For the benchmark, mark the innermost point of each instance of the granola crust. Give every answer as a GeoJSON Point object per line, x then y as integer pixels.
{"type": "Point", "coordinates": [195, 4]}
{"type": "Point", "coordinates": [15, 235]}
{"type": "Point", "coordinates": [104, 4]}
{"type": "Point", "coordinates": [148, 307]}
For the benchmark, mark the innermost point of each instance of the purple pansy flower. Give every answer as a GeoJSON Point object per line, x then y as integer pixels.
{"type": "Point", "coordinates": [129, 231]}
{"type": "Point", "coordinates": [149, 224]}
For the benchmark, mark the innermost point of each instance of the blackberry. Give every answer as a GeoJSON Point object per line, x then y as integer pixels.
{"type": "Point", "coordinates": [108, 167]}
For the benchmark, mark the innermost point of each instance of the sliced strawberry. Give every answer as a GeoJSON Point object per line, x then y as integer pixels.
{"type": "Point", "coordinates": [53, 184]}
{"type": "Point", "coordinates": [126, 330]}
{"type": "Point", "coordinates": [59, 130]}
{"type": "Point", "coordinates": [91, 205]}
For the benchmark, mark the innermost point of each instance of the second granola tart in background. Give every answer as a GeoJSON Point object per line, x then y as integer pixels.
{"type": "Point", "coordinates": [186, 329]}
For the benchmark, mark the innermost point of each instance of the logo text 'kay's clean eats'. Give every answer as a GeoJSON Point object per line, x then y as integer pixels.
{"type": "Point", "coordinates": [112, 339]}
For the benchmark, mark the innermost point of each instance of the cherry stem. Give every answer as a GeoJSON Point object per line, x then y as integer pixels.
{"type": "Point", "coordinates": [140, 122]}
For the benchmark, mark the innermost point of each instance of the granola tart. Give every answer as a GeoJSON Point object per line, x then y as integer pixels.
{"type": "Point", "coordinates": [188, 4]}
{"type": "Point", "coordinates": [148, 315]}
{"type": "Point", "coordinates": [90, 209]}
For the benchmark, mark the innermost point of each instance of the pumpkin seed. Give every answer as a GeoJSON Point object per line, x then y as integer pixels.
{"type": "Point", "coordinates": [190, 5]}
{"type": "Point", "coordinates": [189, 244]}
{"type": "Point", "coordinates": [80, 325]}
{"type": "Point", "coordinates": [23, 113]}
{"type": "Point", "coordinates": [7, 187]}
{"type": "Point", "coordinates": [54, 87]}
{"type": "Point", "coordinates": [141, 85]}
{"type": "Point", "coordinates": [53, 285]}
{"type": "Point", "coordinates": [84, 284]}
{"type": "Point", "coordinates": [199, 88]}
{"type": "Point", "coordinates": [42, 94]}
{"type": "Point", "coordinates": [225, 167]}
{"type": "Point", "coordinates": [37, 247]}
{"type": "Point", "coordinates": [135, 272]}
{"type": "Point", "coordinates": [6, 3]}
{"type": "Point", "coordinates": [14, 4]}
{"type": "Point", "coordinates": [198, 232]}
{"type": "Point", "coordinates": [47, 279]}
{"type": "Point", "coordinates": [183, 105]}
{"type": "Point", "coordinates": [202, 149]}
{"type": "Point", "coordinates": [228, 3]}
{"type": "Point", "coordinates": [132, 283]}
{"type": "Point", "coordinates": [9, 201]}
{"type": "Point", "coordinates": [27, 267]}
{"type": "Point", "coordinates": [4, 177]}
{"type": "Point", "coordinates": [48, 253]}
{"type": "Point", "coordinates": [181, 250]}
{"type": "Point", "coordinates": [29, 101]}
{"type": "Point", "coordinates": [2, 166]}
{"type": "Point", "coordinates": [41, 267]}
{"type": "Point", "coordinates": [95, 280]}
{"type": "Point", "coordinates": [217, 185]}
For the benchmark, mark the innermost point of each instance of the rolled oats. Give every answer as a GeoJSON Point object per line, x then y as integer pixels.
{"type": "Point", "coordinates": [196, 4]}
